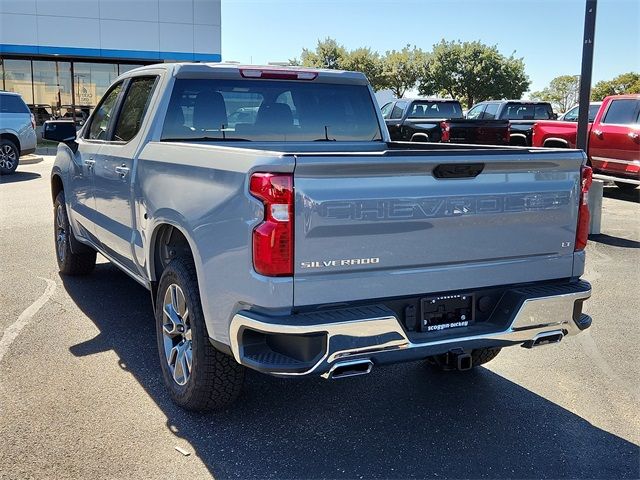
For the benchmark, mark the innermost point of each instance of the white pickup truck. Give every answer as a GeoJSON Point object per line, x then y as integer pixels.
{"type": "Point", "coordinates": [278, 228]}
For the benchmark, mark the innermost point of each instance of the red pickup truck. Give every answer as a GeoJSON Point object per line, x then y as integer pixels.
{"type": "Point", "coordinates": [613, 144]}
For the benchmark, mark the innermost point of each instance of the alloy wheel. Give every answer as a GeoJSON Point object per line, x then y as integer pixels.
{"type": "Point", "coordinates": [8, 157]}
{"type": "Point", "coordinates": [61, 233]}
{"type": "Point", "coordinates": [176, 332]}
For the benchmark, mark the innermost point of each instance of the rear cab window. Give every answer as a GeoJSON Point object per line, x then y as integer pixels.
{"type": "Point", "coordinates": [269, 110]}
{"type": "Point", "coordinates": [12, 104]}
{"type": "Point", "coordinates": [623, 111]}
{"type": "Point", "coordinates": [427, 109]}
{"type": "Point", "coordinates": [526, 111]}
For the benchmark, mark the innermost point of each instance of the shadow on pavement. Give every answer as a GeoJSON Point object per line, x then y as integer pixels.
{"type": "Point", "coordinates": [400, 421]}
{"type": "Point", "coordinates": [614, 241]}
{"type": "Point", "coordinates": [619, 194]}
{"type": "Point", "coordinates": [19, 177]}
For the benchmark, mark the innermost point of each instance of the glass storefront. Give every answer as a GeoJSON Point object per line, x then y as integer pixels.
{"type": "Point", "coordinates": [59, 88]}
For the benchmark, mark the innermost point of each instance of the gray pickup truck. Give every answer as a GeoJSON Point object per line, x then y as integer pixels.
{"type": "Point", "coordinates": [301, 240]}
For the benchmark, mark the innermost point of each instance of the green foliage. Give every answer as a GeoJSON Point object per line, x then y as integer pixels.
{"type": "Point", "coordinates": [328, 54]}
{"type": "Point", "coordinates": [402, 69]}
{"type": "Point", "coordinates": [368, 62]}
{"type": "Point", "coordinates": [472, 72]}
{"type": "Point", "coordinates": [625, 83]}
{"type": "Point", "coordinates": [562, 92]}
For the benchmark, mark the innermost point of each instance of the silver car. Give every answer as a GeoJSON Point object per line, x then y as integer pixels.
{"type": "Point", "coordinates": [17, 131]}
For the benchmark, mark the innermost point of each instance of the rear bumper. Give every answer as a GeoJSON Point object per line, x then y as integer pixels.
{"type": "Point", "coordinates": [314, 343]}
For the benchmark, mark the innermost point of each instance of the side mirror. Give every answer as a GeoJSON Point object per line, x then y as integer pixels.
{"type": "Point", "coordinates": [554, 116]}
{"type": "Point", "coordinates": [63, 131]}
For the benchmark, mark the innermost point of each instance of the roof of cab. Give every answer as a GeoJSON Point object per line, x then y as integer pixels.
{"type": "Point", "coordinates": [232, 70]}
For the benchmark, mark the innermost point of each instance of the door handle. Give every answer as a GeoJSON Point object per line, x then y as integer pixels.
{"type": "Point", "coordinates": [122, 170]}
{"type": "Point", "coordinates": [598, 133]}
{"type": "Point", "coordinates": [634, 136]}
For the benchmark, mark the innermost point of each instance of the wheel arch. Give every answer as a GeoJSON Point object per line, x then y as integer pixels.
{"type": "Point", "coordinates": [518, 139]}
{"type": "Point", "coordinates": [12, 138]}
{"type": "Point", "coordinates": [57, 186]}
{"type": "Point", "coordinates": [553, 142]}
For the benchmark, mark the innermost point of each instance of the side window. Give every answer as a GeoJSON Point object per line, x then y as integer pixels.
{"type": "Point", "coordinates": [12, 104]}
{"type": "Point", "coordinates": [398, 110]}
{"type": "Point", "coordinates": [490, 112]}
{"type": "Point", "coordinates": [571, 115]}
{"type": "Point", "coordinates": [622, 112]}
{"type": "Point", "coordinates": [476, 112]}
{"type": "Point", "coordinates": [134, 107]}
{"type": "Point", "coordinates": [386, 110]}
{"type": "Point", "coordinates": [102, 116]}
{"type": "Point", "coordinates": [541, 113]}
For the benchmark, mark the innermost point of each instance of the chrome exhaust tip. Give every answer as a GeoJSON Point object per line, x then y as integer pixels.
{"type": "Point", "coordinates": [546, 338]}
{"type": "Point", "coordinates": [350, 368]}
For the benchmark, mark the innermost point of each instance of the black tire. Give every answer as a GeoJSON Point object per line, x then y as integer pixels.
{"type": "Point", "coordinates": [214, 379]}
{"type": "Point", "coordinates": [9, 157]}
{"type": "Point", "coordinates": [626, 187]}
{"type": "Point", "coordinates": [479, 356]}
{"type": "Point", "coordinates": [69, 263]}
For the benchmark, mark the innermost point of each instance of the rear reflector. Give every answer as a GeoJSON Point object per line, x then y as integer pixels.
{"type": "Point", "coordinates": [273, 238]}
{"type": "Point", "coordinates": [277, 74]}
{"type": "Point", "coordinates": [582, 232]}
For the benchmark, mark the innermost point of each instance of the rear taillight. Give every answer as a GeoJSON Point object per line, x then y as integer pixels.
{"type": "Point", "coordinates": [273, 238]}
{"type": "Point", "coordinates": [33, 122]}
{"type": "Point", "coordinates": [582, 233]}
{"type": "Point", "coordinates": [446, 133]}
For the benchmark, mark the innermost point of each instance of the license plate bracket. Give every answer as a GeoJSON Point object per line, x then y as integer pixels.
{"type": "Point", "coordinates": [447, 311]}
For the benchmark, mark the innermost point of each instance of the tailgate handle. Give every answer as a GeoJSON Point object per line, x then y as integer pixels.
{"type": "Point", "coordinates": [458, 170]}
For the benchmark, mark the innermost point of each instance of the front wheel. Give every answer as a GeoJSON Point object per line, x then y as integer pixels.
{"type": "Point", "coordinates": [198, 376]}
{"type": "Point", "coordinates": [69, 263]}
{"type": "Point", "coordinates": [9, 157]}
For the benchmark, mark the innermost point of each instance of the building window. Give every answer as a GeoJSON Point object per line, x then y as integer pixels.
{"type": "Point", "coordinates": [91, 81]}
{"type": "Point", "coordinates": [17, 78]}
{"type": "Point", "coordinates": [52, 85]}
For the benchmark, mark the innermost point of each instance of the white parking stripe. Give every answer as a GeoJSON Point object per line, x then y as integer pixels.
{"type": "Point", "coordinates": [12, 332]}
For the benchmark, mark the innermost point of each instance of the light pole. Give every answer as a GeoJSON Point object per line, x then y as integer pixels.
{"type": "Point", "coordinates": [585, 74]}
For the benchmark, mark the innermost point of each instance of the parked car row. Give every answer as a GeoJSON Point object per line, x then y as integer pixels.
{"type": "Point", "coordinates": [43, 113]}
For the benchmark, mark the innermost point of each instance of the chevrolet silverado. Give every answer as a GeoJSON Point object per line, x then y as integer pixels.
{"type": "Point", "coordinates": [301, 240]}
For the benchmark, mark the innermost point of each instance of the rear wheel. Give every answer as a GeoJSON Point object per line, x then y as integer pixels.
{"type": "Point", "coordinates": [9, 157]}
{"type": "Point", "coordinates": [198, 376]}
{"type": "Point", "coordinates": [479, 356]}
{"type": "Point", "coordinates": [626, 187]}
{"type": "Point", "coordinates": [69, 263]}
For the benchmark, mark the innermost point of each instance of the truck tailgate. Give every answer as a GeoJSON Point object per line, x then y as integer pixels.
{"type": "Point", "coordinates": [382, 225]}
{"type": "Point", "coordinates": [480, 132]}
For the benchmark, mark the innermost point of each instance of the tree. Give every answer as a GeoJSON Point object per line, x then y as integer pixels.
{"type": "Point", "coordinates": [368, 62]}
{"type": "Point", "coordinates": [625, 83]}
{"type": "Point", "coordinates": [328, 54]}
{"type": "Point", "coordinates": [402, 69]}
{"type": "Point", "coordinates": [472, 72]}
{"type": "Point", "coordinates": [562, 92]}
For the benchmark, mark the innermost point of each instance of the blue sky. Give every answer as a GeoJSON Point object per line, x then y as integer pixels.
{"type": "Point", "coordinates": [547, 33]}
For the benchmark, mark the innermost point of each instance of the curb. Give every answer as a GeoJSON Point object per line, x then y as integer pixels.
{"type": "Point", "coordinates": [30, 159]}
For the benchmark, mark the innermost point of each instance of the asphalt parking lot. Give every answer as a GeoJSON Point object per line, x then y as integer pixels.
{"type": "Point", "coordinates": [81, 394]}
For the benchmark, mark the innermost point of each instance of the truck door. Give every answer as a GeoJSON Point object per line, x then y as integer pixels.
{"type": "Point", "coordinates": [82, 174]}
{"type": "Point", "coordinates": [394, 122]}
{"type": "Point", "coordinates": [114, 172]}
{"type": "Point", "coordinates": [614, 141]}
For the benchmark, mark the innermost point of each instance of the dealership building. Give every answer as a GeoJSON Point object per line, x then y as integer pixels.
{"type": "Point", "coordinates": [62, 55]}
